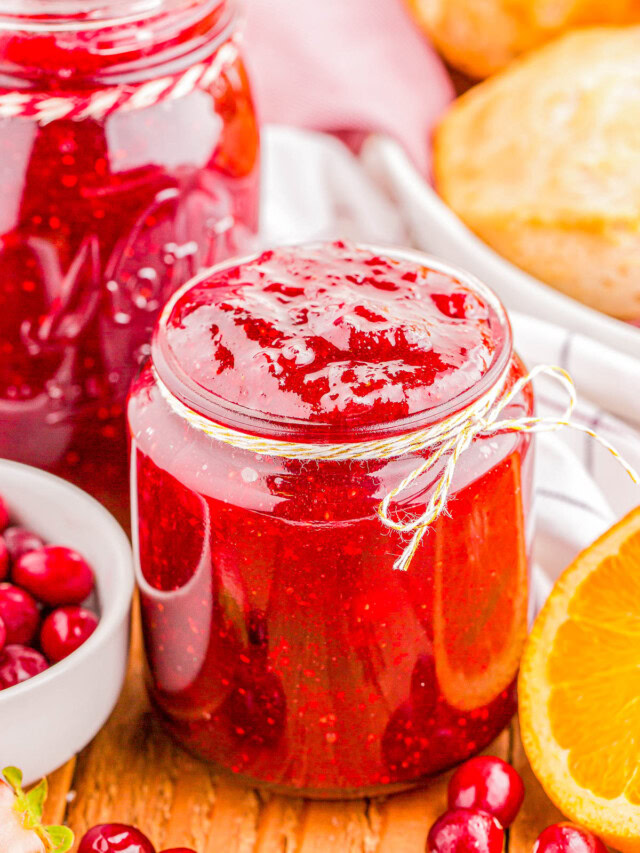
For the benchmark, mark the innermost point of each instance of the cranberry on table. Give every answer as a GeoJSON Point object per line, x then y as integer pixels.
{"type": "Point", "coordinates": [4, 514]}
{"type": "Point", "coordinates": [568, 838]}
{"type": "Point", "coordinates": [490, 784]}
{"type": "Point", "coordinates": [65, 630]}
{"type": "Point", "coordinates": [20, 541]}
{"type": "Point", "coordinates": [19, 612]}
{"type": "Point", "coordinates": [3, 634]}
{"type": "Point", "coordinates": [4, 559]}
{"type": "Point", "coordinates": [55, 575]}
{"type": "Point", "coordinates": [115, 838]}
{"type": "Point", "coordinates": [466, 831]}
{"type": "Point", "coordinates": [19, 663]}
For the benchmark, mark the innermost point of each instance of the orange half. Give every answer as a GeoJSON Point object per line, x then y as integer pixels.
{"type": "Point", "coordinates": [580, 689]}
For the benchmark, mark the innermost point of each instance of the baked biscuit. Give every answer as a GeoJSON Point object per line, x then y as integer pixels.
{"type": "Point", "coordinates": [481, 37]}
{"type": "Point", "coordinates": [543, 163]}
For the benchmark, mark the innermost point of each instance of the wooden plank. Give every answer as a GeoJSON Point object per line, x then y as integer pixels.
{"type": "Point", "coordinates": [234, 822]}
{"type": "Point", "coordinates": [337, 827]}
{"type": "Point", "coordinates": [280, 825]}
{"type": "Point", "coordinates": [537, 810]}
{"type": "Point", "coordinates": [133, 773]}
{"type": "Point", "coordinates": [60, 793]}
{"type": "Point", "coordinates": [408, 817]}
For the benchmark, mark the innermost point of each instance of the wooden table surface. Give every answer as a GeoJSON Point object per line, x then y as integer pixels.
{"type": "Point", "coordinates": [133, 773]}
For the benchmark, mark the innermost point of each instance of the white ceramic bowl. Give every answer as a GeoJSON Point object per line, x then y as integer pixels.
{"type": "Point", "coordinates": [46, 720]}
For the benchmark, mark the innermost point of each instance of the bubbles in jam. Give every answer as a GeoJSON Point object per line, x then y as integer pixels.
{"type": "Point", "coordinates": [332, 334]}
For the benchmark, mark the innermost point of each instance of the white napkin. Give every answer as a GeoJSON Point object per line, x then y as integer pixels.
{"type": "Point", "coordinates": [315, 188]}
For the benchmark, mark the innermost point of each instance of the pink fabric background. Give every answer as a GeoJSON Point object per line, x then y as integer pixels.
{"type": "Point", "coordinates": [346, 65]}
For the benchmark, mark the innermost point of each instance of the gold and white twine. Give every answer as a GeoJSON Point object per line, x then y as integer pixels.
{"type": "Point", "coordinates": [43, 107]}
{"type": "Point", "coordinates": [445, 441]}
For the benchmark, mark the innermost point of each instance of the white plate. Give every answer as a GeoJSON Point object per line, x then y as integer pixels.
{"type": "Point", "coordinates": [436, 229]}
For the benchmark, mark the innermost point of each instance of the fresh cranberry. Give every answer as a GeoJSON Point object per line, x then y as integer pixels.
{"type": "Point", "coordinates": [568, 838]}
{"type": "Point", "coordinates": [466, 831]}
{"type": "Point", "coordinates": [19, 663]}
{"type": "Point", "coordinates": [4, 514]}
{"type": "Point", "coordinates": [115, 838]}
{"type": "Point", "coordinates": [55, 575]}
{"type": "Point", "coordinates": [256, 707]}
{"type": "Point", "coordinates": [65, 630]}
{"type": "Point", "coordinates": [19, 612]}
{"type": "Point", "coordinates": [3, 634]}
{"type": "Point", "coordinates": [490, 784]}
{"type": "Point", "coordinates": [4, 560]}
{"type": "Point", "coordinates": [405, 744]}
{"type": "Point", "coordinates": [20, 541]}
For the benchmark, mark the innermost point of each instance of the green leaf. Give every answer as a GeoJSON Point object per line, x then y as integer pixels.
{"type": "Point", "coordinates": [35, 799]}
{"type": "Point", "coordinates": [14, 778]}
{"type": "Point", "coordinates": [60, 837]}
{"type": "Point", "coordinates": [56, 839]}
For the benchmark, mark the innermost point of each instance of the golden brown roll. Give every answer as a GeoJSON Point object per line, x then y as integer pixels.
{"type": "Point", "coordinates": [481, 37]}
{"type": "Point", "coordinates": [543, 163]}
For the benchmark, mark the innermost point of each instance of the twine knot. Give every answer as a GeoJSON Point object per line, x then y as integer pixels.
{"type": "Point", "coordinates": [445, 441]}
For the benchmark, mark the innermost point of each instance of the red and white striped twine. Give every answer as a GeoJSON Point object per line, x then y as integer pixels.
{"type": "Point", "coordinates": [45, 108]}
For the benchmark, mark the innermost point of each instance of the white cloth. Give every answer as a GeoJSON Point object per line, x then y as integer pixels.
{"type": "Point", "coordinates": [315, 188]}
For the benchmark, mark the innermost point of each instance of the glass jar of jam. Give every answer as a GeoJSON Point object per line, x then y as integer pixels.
{"type": "Point", "coordinates": [130, 162]}
{"type": "Point", "coordinates": [282, 643]}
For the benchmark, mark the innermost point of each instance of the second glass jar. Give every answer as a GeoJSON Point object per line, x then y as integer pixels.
{"type": "Point", "coordinates": [282, 644]}
{"type": "Point", "coordinates": [130, 161]}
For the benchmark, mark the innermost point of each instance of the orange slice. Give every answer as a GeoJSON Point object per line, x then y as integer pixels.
{"type": "Point", "coordinates": [580, 689]}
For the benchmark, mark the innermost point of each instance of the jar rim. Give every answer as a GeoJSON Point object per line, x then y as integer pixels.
{"type": "Point", "coordinates": [121, 41]}
{"type": "Point", "coordinates": [73, 15]}
{"type": "Point", "coordinates": [254, 422]}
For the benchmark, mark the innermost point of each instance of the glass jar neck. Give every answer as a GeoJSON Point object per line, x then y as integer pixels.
{"type": "Point", "coordinates": [192, 395]}
{"type": "Point", "coordinates": [70, 43]}
{"type": "Point", "coordinates": [70, 14]}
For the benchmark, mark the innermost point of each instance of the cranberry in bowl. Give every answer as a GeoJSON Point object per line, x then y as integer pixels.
{"type": "Point", "coordinates": [294, 637]}
{"type": "Point", "coordinates": [66, 597]}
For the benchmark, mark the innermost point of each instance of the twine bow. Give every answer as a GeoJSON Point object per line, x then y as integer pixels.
{"type": "Point", "coordinates": [446, 440]}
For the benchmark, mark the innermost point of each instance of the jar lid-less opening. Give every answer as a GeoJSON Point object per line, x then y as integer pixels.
{"type": "Point", "coordinates": [254, 422]}
{"type": "Point", "coordinates": [107, 42]}
{"type": "Point", "coordinates": [69, 15]}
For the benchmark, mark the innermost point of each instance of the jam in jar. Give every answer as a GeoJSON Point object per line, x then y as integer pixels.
{"type": "Point", "coordinates": [130, 162]}
{"type": "Point", "coordinates": [282, 644]}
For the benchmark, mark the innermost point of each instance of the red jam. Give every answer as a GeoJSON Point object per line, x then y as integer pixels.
{"type": "Point", "coordinates": [331, 337]}
{"type": "Point", "coordinates": [103, 216]}
{"type": "Point", "coordinates": [282, 644]}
